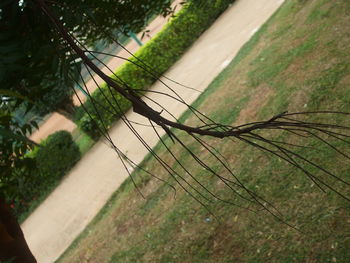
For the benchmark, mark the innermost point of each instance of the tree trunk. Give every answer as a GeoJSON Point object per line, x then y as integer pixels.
{"type": "Point", "coordinates": [67, 109]}
{"type": "Point", "coordinates": [12, 242]}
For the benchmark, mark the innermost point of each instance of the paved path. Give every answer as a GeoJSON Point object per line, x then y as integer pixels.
{"type": "Point", "coordinates": [66, 212]}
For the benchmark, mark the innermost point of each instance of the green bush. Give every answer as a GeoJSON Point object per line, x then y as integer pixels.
{"type": "Point", "coordinates": [160, 53]}
{"type": "Point", "coordinates": [57, 155]}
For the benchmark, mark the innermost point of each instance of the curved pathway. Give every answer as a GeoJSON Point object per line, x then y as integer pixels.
{"type": "Point", "coordinates": [74, 203]}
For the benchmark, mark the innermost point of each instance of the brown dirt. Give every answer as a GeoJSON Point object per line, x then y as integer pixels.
{"type": "Point", "coordinates": [54, 123]}
{"type": "Point", "coordinates": [256, 102]}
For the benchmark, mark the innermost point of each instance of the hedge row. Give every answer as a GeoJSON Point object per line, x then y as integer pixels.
{"type": "Point", "coordinates": [160, 53]}
{"type": "Point", "coordinates": [57, 154]}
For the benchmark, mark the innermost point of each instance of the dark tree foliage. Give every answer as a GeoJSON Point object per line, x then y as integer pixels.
{"type": "Point", "coordinates": [33, 60]}
{"type": "Point", "coordinates": [92, 20]}
{"type": "Point", "coordinates": [13, 146]}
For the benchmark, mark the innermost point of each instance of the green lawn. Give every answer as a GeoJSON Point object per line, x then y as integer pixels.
{"type": "Point", "coordinates": [298, 61]}
{"type": "Point", "coordinates": [83, 141]}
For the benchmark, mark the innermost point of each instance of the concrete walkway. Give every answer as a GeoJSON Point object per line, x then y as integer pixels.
{"type": "Point", "coordinates": [66, 212]}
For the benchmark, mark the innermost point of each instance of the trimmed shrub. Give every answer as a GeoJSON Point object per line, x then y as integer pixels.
{"type": "Point", "coordinates": [57, 155]}
{"type": "Point", "coordinates": [160, 53]}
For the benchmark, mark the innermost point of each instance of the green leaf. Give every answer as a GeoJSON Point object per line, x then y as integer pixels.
{"type": "Point", "coordinates": [9, 134]}
{"type": "Point", "coordinates": [14, 94]}
{"type": "Point", "coordinates": [34, 124]}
